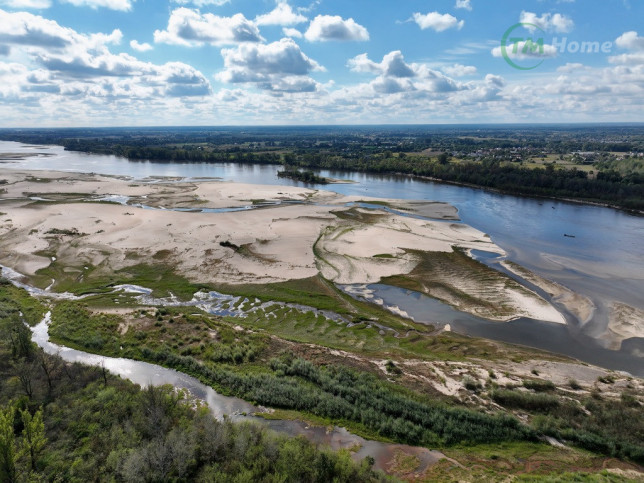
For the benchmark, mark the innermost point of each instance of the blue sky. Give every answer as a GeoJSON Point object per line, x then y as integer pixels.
{"type": "Point", "coordinates": [218, 62]}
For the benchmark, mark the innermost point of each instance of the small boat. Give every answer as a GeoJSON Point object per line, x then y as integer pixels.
{"type": "Point", "coordinates": [569, 236]}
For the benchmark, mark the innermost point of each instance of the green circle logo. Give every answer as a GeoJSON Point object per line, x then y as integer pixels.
{"type": "Point", "coordinates": [529, 45]}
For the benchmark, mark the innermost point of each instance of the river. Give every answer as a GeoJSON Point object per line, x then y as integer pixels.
{"type": "Point", "coordinates": [604, 261]}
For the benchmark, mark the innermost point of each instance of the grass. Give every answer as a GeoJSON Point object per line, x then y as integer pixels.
{"type": "Point", "coordinates": [87, 279]}
{"type": "Point", "coordinates": [31, 308]}
{"type": "Point", "coordinates": [523, 461]}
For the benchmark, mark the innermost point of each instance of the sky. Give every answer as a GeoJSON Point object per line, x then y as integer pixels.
{"type": "Point", "coordinates": [304, 62]}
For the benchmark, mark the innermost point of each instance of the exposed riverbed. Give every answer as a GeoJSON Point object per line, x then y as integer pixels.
{"type": "Point", "coordinates": [603, 262]}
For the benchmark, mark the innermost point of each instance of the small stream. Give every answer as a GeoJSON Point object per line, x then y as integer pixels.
{"type": "Point", "coordinates": [146, 374]}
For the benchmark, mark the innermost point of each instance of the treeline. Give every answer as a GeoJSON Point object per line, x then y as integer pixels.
{"type": "Point", "coordinates": [192, 154]}
{"type": "Point", "coordinates": [608, 187]}
{"type": "Point", "coordinates": [69, 422]}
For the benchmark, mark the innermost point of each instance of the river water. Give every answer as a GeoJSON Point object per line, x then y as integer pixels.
{"type": "Point", "coordinates": [604, 261]}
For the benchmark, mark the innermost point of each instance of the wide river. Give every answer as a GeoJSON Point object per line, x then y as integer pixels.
{"type": "Point", "coordinates": [604, 260]}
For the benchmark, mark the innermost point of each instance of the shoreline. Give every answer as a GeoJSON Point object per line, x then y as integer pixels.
{"type": "Point", "coordinates": [320, 232]}
{"type": "Point", "coordinates": [332, 181]}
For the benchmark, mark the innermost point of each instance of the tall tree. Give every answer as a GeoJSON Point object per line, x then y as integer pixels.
{"type": "Point", "coordinates": [33, 434]}
{"type": "Point", "coordinates": [8, 453]}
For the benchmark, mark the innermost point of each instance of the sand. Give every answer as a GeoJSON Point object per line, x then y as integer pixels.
{"type": "Point", "coordinates": [578, 305]}
{"type": "Point", "coordinates": [296, 234]}
{"type": "Point", "coordinates": [625, 322]}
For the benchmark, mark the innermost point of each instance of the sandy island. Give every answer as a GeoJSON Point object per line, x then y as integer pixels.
{"type": "Point", "coordinates": [294, 233]}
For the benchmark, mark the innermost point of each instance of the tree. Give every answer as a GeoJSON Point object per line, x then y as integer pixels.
{"type": "Point", "coordinates": [25, 371]}
{"type": "Point", "coordinates": [8, 453]}
{"type": "Point", "coordinates": [50, 366]}
{"type": "Point", "coordinates": [33, 434]}
{"type": "Point", "coordinates": [20, 337]}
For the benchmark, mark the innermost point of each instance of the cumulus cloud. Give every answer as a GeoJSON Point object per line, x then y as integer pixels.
{"type": "Point", "coordinates": [392, 65]}
{"type": "Point", "coordinates": [466, 4]}
{"type": "Point", "coordinates": [282, 15]}
{"type": "Point", "coordinates": [333, 27]}
{"type": "Point", "coordinates": [459, 70]}
{"type": "Point", "coordinates": [397, 76]}
{"type": "Point", "coordinates": [74, 64]}
{"type": "Point", "coordinates": [291, 32]}
{"type": "Point", "coordinates": [630, 40]}
{"type": "Point", "coordinates": [123, 5]}
{"type": "Point", "coordinates": [548, 22]}
{"type": "Point", "coordinates": [192, 28]}
{"type": "Point", "coordinates": [35, 4]}
{"type": "Point", "coordinates": [140, 47]}
{"type": "Point", "coordinates": [278, 66]}
{"type": "Point", "coordinates": [436, 21]}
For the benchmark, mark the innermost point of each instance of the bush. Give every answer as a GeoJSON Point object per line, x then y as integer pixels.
{"type": "Point", "coordinates": [525, 400]}
{"type": "Point", "coordinates": [539, 385]}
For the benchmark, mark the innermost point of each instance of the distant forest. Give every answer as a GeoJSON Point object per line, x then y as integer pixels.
{"type": "Point", "coordinates": [493, 157]}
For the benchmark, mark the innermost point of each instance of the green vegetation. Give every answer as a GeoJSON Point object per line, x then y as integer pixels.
{"type": "Point", "coordinates": [264, 370]}
{"type": "Point", "coordinates": [88, 279]}
{"type": "Point", "coordinates": [539, 385]}
{"type": "Point", "coordinates": [68, 422]}
{"type": "Point", "coordinates": [336, 393]}
{"type": "Point", "coordinates": [304, 176]}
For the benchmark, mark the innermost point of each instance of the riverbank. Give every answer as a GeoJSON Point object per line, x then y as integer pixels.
{"type": "Point", "coordinates": [79, 230]}
{"type": "Point", "coordinates": [472, 382]}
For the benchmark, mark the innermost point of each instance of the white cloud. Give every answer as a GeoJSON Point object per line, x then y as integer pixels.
{"type": "Point", "coordinates": [36, 4]}
{"type": "Point", "coordinates": [630, 40]}
{"type": "Point", "coordinates": [396, 76]}
{"type": "Point", "coordinates": [279, 66]}
{"type": "Point", "coordinates": [459, 70]}
{"type": "Point", "coordinates": [392, 65]}
{"type": "Point", "coordinates": [466, 4]}
{"type": "Point", "coordinates": [627, 59]}
{"type": "Point", "coordinates": [438, 22]}
{"type": "Point", "coordinates": [571, 67]}
{"type": "Point", "coordinates": [333, 27]}
{"type": "Point", "coordinates": [82, 66]}
{"type": "Point", "coordinates": [291, 32]}
{"type": "Point", "coordinates": [140, 47]}
{"type": "Point", "coordinates": [123, 5]}
{"type": "Point", "coordinates": [548, 22]}
{"type": "Point", "coordinates": [191, 28]}
{"type": "Point", "coordinates": [282, 15]}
